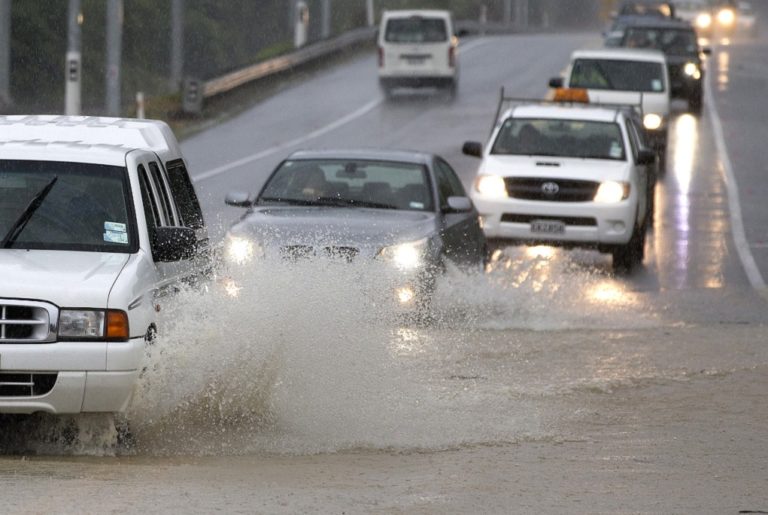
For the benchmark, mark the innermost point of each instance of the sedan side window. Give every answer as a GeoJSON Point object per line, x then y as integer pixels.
{"type": "Point", "coordinates": [448, 183]}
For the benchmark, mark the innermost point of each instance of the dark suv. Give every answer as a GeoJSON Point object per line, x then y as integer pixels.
{"type": "Point", "coordinates": [678, 40]}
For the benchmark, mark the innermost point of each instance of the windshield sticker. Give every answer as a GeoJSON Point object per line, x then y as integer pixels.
{"type": "Point", "coordinates": [615, 151]}
{"type": "Point", "coordinates": [656, 85]}
{"type": "Point", "coordinates": [116, 237]}
{"type": "Point", "coordinates": [115, 227]}
{"type": "Point", "coordinates": [416, 205]}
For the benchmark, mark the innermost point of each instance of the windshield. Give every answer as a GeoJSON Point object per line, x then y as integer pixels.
{"type": "Point", "coordinates": [85, 209]}
{"type": "Point", "coordinates": [381, 184]}
{"type": "Point", "coordinates": [560, 138]}
{"type": "Point", "coordinates": [618, 75]}
{"type": "Point", "coordinates": [669, 41]}
{"type": "Point", "coordinates": [416, 30]}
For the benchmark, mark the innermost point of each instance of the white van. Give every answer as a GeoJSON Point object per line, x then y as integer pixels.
{"type": "Point", "coordinates": [417, 49]}
{"type": "Point", "coordinates": [614, 76]}
{"type": "Point", "coordinates": [97, 215]}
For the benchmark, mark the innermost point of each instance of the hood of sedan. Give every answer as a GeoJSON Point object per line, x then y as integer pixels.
{"type": "Point", "coordinates": [556, 167]}
{"type": "Point", "coordinates": [361, 228]}
{"type": "Point", "coordinates": [64, 278]}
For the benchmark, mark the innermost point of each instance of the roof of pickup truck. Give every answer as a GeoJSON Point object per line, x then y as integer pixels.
{"type": "Point", "coordinates": [83, 138]}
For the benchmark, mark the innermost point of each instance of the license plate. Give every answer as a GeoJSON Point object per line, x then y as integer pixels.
{"type": "Point", "coordinates": [415, 60]}
{"type": "Point", "coordinates": [547, 226]}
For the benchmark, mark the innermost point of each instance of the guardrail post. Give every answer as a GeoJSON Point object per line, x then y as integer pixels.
{"type": "Point", "coordinates": [73, 75]}
{"type": "Point", "coordinates": [192, 96]}
{"type": "Point", "coordinates": [325, 31]}
{"type": "Point", "coordinates": [369, 13]}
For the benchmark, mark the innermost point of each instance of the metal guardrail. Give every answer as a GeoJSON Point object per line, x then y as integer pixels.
{"type": "Point", "coordinates": [195, 92]}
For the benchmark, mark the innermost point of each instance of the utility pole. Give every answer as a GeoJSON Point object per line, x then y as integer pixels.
{"type": "Point", "coordinates": [507, 17]}
{"type": "Point", "coordinates": [177, 44]}
{"type": "Point", "coordinates": [370, 15]}
{"type": "Point", "coordinates": [325, 32]}
{"type": "Point", "coordinates": [5, 54]}
{"type": "Point", "coordinates": [114, 51]}
{"type": "Point", "coordinates": [73, 64]}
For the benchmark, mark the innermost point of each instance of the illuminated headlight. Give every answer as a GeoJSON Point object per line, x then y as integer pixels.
{"type": "Point", "coordinates": [405, 256]}
{"type": "Point", "coordinates": [726, 17]}
{"type": "Point", "coordinates": [240, 250]}
{"type": "Point", "coordinates": [93, 324]}
{"type": "Point", "coordinates": [652, 121]}
{"type": "Point", "coordinates": [704, 21]}
{"type": "Point", "coordinates": [491, 186]}
{"type": "Point", "coordinates": [692, 70]}
{"type": "Point", "coordinates": [611, 192]}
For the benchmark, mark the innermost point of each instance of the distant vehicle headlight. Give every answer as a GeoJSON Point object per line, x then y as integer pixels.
{"type": "Point", "coordinates": [726, 17]}
{"type": "Point", "coordinates": [239, 250]}
{"type": "Point", "coordinates": [692, 70]}
{"type": "Point", "coordinates": [93, 324]}
{"type": "Point", "coordinates": [652, 121]}
{"type": "Point", "coordinates": [405, 256]}
{"type": "Point", "coordinates": [704, 20]}
{"type": "Point", "coordinates": [491, 186]}
{"type": "Point", "coordinates": [611, 192]}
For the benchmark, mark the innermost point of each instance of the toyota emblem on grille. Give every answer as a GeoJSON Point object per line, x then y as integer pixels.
{"type": "Point", "coordinates": [550, 188]}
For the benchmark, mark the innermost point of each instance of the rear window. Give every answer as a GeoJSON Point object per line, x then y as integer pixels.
{"type": "Point", "coordinates": [618, 75]}
{"type": "Point", "coordinates": [669, 41]}
{"type": "Point", "coordinates": [416, 29]}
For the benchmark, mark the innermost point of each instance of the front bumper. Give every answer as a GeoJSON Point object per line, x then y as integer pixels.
{"type": "Point", "coordinates": [587, 224]}
{"type": "Point", "coordinates": [89, 376]}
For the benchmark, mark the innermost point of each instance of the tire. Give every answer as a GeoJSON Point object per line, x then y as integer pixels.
{"type": "Point", "coordinates": [696, 102]}
{"type": "Point", "coordinates": [627, 257]}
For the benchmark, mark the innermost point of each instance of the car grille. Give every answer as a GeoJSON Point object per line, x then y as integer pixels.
{"type": "Point", "coordinates": [25, 384]}
{"type": "Point", "coordinates": [551, 190]}
{"type": "Point", "coordinates": [301, 252]}
{"type": "Point", "coordinates": [27, 322]}
{"type": "Point", "coordinates": [580, 221]}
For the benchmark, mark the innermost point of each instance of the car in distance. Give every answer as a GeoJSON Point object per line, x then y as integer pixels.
{"type": "Point", "coordinates": [417, 48]}
{"type": "Point", "coordinates": [571, 175]}
{"type": "Point", "coordinates": [654, 8]}
{"type": "Point", "coordinates": [624, 76]}
{"type": "Point", "coordinates": [97, 215]}
{"type": "Point", "coordinates": [407, 210]}
{"type": "Point", "coordinates": [679, 43]}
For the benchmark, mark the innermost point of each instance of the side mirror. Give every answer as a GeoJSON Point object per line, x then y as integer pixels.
{"type": "Point", "coordinates": [556, 82]}
{"type": "Point", "coordinates": [174, 244]}
{"type": "Point", "coordinates": [238, 199]}
{"type": "Point", "coordinates": [706, 50]}
{"type": "Point", "coordinates": [472, 148]}
{"type": "Point", "coordinates": [646, 157]}
{"type": "Point", "coordinates": [462, 33]}
{"type": "Point", "coordinates": [459, 205]}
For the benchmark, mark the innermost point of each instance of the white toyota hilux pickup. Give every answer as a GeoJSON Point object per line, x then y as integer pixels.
{"type": "Point", "coordinates": [97, 215]}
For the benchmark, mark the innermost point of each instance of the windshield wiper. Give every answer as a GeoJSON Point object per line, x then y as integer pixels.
{"type": "Point", "coordinates": [21, 222]}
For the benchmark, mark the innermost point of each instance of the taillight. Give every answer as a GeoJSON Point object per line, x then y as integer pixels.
{"type": "Point", "coordinates": [452, 56]}
{"type": "Point", "coordinates": [381, 57]}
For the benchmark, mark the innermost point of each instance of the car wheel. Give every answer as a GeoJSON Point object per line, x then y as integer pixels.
{"type": "Point", "coordinates": [696, 102]}
{"type": "Point", "coordinates": [627, 257]}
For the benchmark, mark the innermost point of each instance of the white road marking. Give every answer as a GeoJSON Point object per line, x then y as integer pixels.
{"type": "Point", "coordinates": [734, 205]}
{"type": "Point", "coordinates": [292, 143]}
{"type": "Point", "coordinates": [314, 134]}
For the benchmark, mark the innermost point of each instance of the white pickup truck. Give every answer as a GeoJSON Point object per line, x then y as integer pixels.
{"type": "Point", "coordinates": [96, 216]}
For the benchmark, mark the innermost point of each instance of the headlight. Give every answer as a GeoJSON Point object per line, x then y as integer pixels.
{"type": "Point", "coordinates": [692, 70]}
{"type": "Point", "coordinates": [405, 256]}
{"type": "Point", "coordinates": [93, 324]}
{"type": "Point", "coordinates": [491, 186]}
{"type": "Point", "coordinates": [726, 17]}
{"type": "Point", "coordinates": [611, 192]}
{"type": "Point", "coordinates": [652, 121]}
{"type": "Point", "coordinates": [240, 250]}
{"type": "Point", "coordinates": [704, 21]}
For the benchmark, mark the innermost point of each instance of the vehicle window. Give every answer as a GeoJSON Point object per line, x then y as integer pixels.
{"type": "Point", "coordinates": [617, 75]}
{"type": "Point", "coordinates": [634, 141]}
{"type": "Point", "coordinates": [448, 183]}
{"type": "Point", "coordinates": [349, 183]}
{"type": "Point", "coordinates": [165, 203]}
{"type": "Point", "coordinates": [416, 29]}
{"type": "Point", "coordinates": [669, 41]}
{"type": "Point", "coordinates": [560, 138]}
{"type": "Point", "coordinates": [662, 9]}
{"type": "Point", "coordinates": [149, 196]}
{"type": "Point", "coordinates": [87, 208]}
{"type": "Point", "coordinates": [184, 193]}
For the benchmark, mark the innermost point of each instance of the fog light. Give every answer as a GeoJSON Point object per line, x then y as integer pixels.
{"type": "Point", "coordinates": [405, 295]}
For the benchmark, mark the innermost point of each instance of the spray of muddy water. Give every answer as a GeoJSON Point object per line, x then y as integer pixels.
{"type": "Point", "coordinates": [316, 357]}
